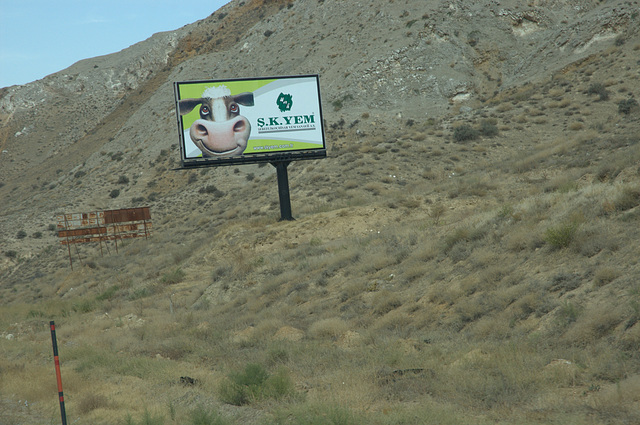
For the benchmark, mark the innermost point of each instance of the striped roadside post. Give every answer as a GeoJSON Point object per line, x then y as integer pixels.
{"type": "Point", "coordinates": [58, 375]}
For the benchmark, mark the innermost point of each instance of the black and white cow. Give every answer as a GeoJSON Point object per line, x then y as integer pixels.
{"type": "Point", "coordinates": [220, 130]}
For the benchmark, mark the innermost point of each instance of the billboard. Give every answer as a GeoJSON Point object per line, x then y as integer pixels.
{"type": "Point", "coordinates": [224, 122]}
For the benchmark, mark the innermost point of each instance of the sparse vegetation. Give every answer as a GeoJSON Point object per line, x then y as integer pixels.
{"type": "Point", "coordinates": [424, 280]}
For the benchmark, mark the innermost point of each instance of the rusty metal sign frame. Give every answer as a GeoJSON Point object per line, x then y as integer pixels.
{"type": "Point", "coordinates": [99, 226]}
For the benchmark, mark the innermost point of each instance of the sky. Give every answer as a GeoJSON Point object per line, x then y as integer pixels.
{"type": "Point", "coordinates": [40, 37]}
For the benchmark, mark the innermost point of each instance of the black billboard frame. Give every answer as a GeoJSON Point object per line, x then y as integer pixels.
{"type": "Point", "coordinates": [295, 155]}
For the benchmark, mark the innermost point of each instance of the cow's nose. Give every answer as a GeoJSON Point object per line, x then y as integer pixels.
{"type": "Point", "coordinates": [239, 126]}
{"type": "Point", "coordinates": [200, 130]}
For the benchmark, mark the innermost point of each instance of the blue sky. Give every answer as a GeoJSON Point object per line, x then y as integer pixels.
{"type": "Point", "coordinates": [39, 37]}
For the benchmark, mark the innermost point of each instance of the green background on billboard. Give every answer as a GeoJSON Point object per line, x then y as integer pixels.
{"type": "Point", "coordinates": [195, 90]}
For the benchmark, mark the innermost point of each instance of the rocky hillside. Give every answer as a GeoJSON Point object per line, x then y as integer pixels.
{"type": "Point", "coordinates": [481, 194]}
{"type": "Point", "coordinates": [416, 60]}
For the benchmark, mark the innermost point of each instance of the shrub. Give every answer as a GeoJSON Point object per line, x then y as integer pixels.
{"type": "Point", "coordinates": [464, 133]}
{"type": "Point", "coordinates": [605, 276]}
{"type": "Point", "coordinates": [114, 193]}
{"type": "Point", "coordinates": [92, 401]}
{"type": "Point", "coordinates": [600, 90]}
{"type": "Point", "coordinates": [147, 419]}
{"type": "Point", "coordinates": [83, 306]}
{"type": "Point", "coordinates": [10, 254]}
{"type": "Point", "coordinates": [173, 277]}
{"type": "Point", "coordinates": [123, 180]}
{"type": "Point", "coordinates": [330, 328]}
{"type": "Point", "coordinates": [437, 212]}
{"type": "Point", "coordinates": [568, 312]}
{"type": "Point", "coordinates": [488, 128]}
{"type": "Point", "coordinates": [21, 234]}
{"type": "Point", "coordinates": [629, 198]}
{"type": "Point", "coordinates": [212, 190]}
{"type": "Point", "coordinates": [322, 414]}
{"type": "Point", "coordinates": [202, 416]}
{"type": "Point", "coordinates": [562, 235]}
{"type": "Point", "coordinates": [625, 106]}
{"type": "Point", "coordinates": [108, 294]}
{"type": "Point", "coordinates": [253, 384]}
{"type": "Point", "coordinates": [385, 301]}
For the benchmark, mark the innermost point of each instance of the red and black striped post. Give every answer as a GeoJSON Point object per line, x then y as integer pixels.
{"type": "Point", "coordinates": [58, 375]}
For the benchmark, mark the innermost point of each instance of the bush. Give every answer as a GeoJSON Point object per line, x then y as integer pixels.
{"type": "Point", "coordinates": [625, 106]}
{"type": "Point", "coordinates": [21, 234]}
{"type": "Point", "coordinates": [83, 306]}
{"type": "Point", "coordinates": [211, 189]}
{"type": "Point", "coordinates": [325, 414]}
{"type": "Point", "coordinates": [464, 133]}
{"type": "Point", "coordinates": [173, 277]}
{"type": "Point", "coordinates": [114, 193]}
{"type": "Point", "coordinates": [562, 235]}
{"type": "Point", "coordinates": [628, 199]}
{"type": "Point", "coordinates": [605, 276]}
{"type": "Point", "coordinates": [488, 128]}
{"type": "Point", "coordinates": [92, 401]}
{"type": "Point", "coordinates": [600, 90]}
{"type": "Point", "coordinates": [147, 419]}
{"type": "Point", "coordinates": [253, 384]}
{"type": "Point", "coordinates": [203, 416]}
{"type": "Point", "coordinates": [123, 180]}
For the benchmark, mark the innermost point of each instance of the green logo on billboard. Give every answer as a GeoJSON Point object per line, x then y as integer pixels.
{"type": "Point", "coordinates": [284, 102]}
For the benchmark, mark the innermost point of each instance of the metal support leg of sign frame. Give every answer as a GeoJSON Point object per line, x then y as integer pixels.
{"type": "Point", "coordinates": [283, 189]}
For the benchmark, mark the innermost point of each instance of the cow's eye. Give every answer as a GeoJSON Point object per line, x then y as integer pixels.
{"type": "Point", "coordinates": [234, 108]}
{"type": "Point", "coordinates": [204, 110]}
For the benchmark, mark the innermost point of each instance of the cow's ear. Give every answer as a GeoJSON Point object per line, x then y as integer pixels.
{"type": "Point", "coordinates": [244, 99]}
{"type": "Point", "coordinates": [187, 105]}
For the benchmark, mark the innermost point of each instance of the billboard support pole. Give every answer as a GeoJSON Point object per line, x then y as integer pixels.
{"type": "Point", "coordinates": [283, 189]}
